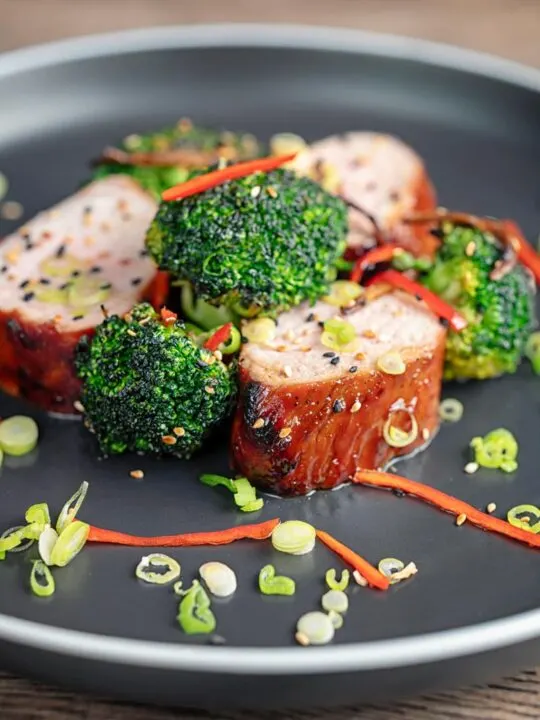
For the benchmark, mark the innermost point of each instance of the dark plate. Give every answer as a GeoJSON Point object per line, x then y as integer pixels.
{"type": "Point", "coordinates": [471, 613]}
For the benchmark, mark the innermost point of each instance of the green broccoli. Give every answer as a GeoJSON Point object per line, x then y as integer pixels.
{"type": "Point", "coordinates": [262, 243]}
{"type": "Point", "coordinates": [148, 387]}
{"type": "Point", "coordinates": [165, 158]}
{"type": "Point", "coordinates": [500, 312]}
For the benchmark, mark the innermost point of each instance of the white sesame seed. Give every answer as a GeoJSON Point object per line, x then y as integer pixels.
{"type": "Point", "coordinates": [78, 406]}
{"type": "Point", "coordinates": [259, 422]}
{"type": "Point", "coordinates": [471, 467]}
{"type": "Point", "coordinates": [210, 390]}
{"type": "Point", "coordinates": [461, 519]}
{"type": "Point", "coordinates": [255, 191]}
{"type": "Point", "coordinates": [137, 474]}
{"type": "Point", "coordinates": [179, 431]}
{"type": "Point", "coordinates": [426, 434]}
{"type": "Point", "coordinates": [491, 507]}
{"type": "Point", "coordinates": [285, 432]}
{"type": "Point", "coordinates": [355, 407]}
{"type": "Point", "coordinates": [287, 371]}
{"type": "Point", "coordinates": [302, 639]}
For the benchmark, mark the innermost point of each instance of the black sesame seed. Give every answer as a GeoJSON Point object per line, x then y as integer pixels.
{"type": "Point", "coordinates": [105, 286]}
{"type": "Point", "coordinates": [136, 281]}
{"type": "Point", "coordinates": [353, 368]}
{"type": "Point", "coordinates": [96, 269]}
{"type": "Point", "coordinates": [64, 286]}
{"type": "Point", "coordinates": [444, 322]}
{"type": "Point", "coordinates": [25, 235]}
{"type": "Point", "coordinates": [398, 493]}
{"type": "Point", "coordinates": [310, 317]}
{"type": "Point", "coordinates": [87, 209]}
{"type": "Point", "coordinates": [418, 297]}
{"type": "Point", "coordinates": [44, 281]}
{"type": "Point", "coordinates": [28, 245]}
{"type": "Point", "coordinates": [217, 640]}
{"type": "Point", "coordinates": [28, 296]}
{"type": "Point", "coordinates": [320, 324]}
{"type": "Point", "coordinates": [329, 354]}
{"type": "Point", "coordinates": [335, 360]}
{"type": "Point", "coordinates": [25, 283]}
{"type": "Point", "coordinates": [61, 251]}
{"type": "Point", "coordinates": [437, 232]}
{"type": "Point", "coordinates": [338, 406]}
{"type": "Point", "coordinates": [244, 339]}
{"type": "Point", "coordinates": [4, 269]}
{"type": "Point", "coordinates": [144, 253]}
{"type": "Point", "coordinates": [75, 273]}
{"type": "Point", "coordinates": [77, 317]}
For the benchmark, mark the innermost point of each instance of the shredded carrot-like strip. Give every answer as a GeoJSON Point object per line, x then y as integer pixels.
{"type": "Point", "coordinates": [371, 574]}
{"type": "Point", "coordinates": [445, 502]}
{"type": "Point", "coordinates": [384, 253]}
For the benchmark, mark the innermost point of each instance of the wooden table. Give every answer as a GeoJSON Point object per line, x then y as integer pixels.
{"type": "Point", "coordinates": [505, 27]}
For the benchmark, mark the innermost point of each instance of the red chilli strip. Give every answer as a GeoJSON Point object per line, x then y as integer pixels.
{"type": "Point", "coordinates": [217, 177]}
{"type": "Point", "coordinates": [168, 317]}
{"type": "Point", "coordinates": [159, 290]}
{"type": "Point", "coordinates": [384, 253]}
{"type": "Point", "coordinates": [221, 335]}
{"type": "Point", "coordinates": [456, 321]}
{"type": "Point", "coordinates": [447, 503]}
{"type": "Point", "coordinates": [259, 531]}
{"type": "Point", "coordinates": [373, 577]}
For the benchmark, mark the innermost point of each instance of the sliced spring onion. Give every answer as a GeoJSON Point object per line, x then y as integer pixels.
{"type": "Point", "coordinates": [294, 537]}
{"type": "Point", "coordinates": [343, 293]}
{"type": "Point", "coordinates": [38, 514]}
{"type": "Point", "coordinates": [69, 512]}
{"type": "Point", "coordinates": [286, 143]}
{"type": "Point", "coordinates": [47, 540]}
{"type": "Point", "coordinates": [532, 351]}
{"type": "Point", "coordinates": [336, 619]}
{"type": "Point", "coordinates": [194, 613]}
{"type": "Point", "coordinates": [17, 539]}
{"type": "Point", "coordinates": [59, 266]}
{"type": "Point", "coordinates": [451, 410]}
{"type": "Point", "coordinates": [18, 435]}
{"type": "Point", "coordinates": [496, 450]}
{"type": "Point", "coordinates": [70, 543]}
{"type": "Point", "coordinates": [333, 583]}
{"type": "Point", "coordinates": [391, 363]}
{"type": "Point", "coordinates": [214, 480]}
{"type": "Point", "coordinates": [219, 578]}
{"type": "Point", "coordinates": [335, 601]}
{"type": "Point", "coordinates": [253, 505]}
{"type": "Point", "coordinates": [4, 185]}
{"type": "Point", "coordinates": [403, 261]}
{"type": "Point", "coordinates": [232, 345]}
{"type": "Point", "coordinates": [338, 334]}
{"type": "Point", "coordinates": [244, 492]}
{"type": "Point", "coordinates": [157, 569]}
{"type": "Point", "coordinates": [41, 580]}
{"type": "Point", "coordinates": [394, 436]}
{"type": "Point", "coordinates": [525, 517]}
{"type": "Point", "coordinates": [272, 584]}
{"type": "Point", "coordinates": [389, 566]}
{"type": "Point", "coordinates": [316, 627]}
{"type": "Point", "coordinates": [261, 330]}
{"type": "Point", "coordinates": [245, 495]}
{"type": "Point", "coordinates": [86, 292]}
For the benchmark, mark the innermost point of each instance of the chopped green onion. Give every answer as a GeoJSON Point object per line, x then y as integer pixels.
{"type": "Point", "coordinates": [403, 261]}
{"type": "Point", "coordinates": [389, 566]}
{"type": "Point", "coordinates": [394, 436]}
{"type": "Point", "coordinates": [343, 293]}
{"type": "Point", "coordinates": [4, 185]}
{"type": "Point", "coordinates": [294, 537]}
{"type": "Point", "coordinates": [532, 351]}
{"type": "Point", "coordinates": [451, 410]}
{"type": "Point", "coordinates": [391, 363]}
{"type": "Point", "coordinates": [335, 601]}
{"type": "Point", "coordinates": [70, 543]}
{"type": "Point", "coordinates": [18, 435]}
{"type": "Point", "coordinates": [71, 508]}
{"type": "Point", "coordinates": [525, 517]}
{"type": "Point", "coordinates": [194, 613]}
{"type": "Point", "coordinates": [41, 580]}
{"type": "Point", "coordinates": [316, 627]}
{"type": "Point", "coordinates": [338, 333]}
{"type": "Point", "coordinates": [232, 345]}
{"type": "Point", "coordinates": [336, 619]}
{"type": "Point", "coordinates": [272, 584]}
{"type": "Point", "coordinates": [245, 495]}
{"type": "Point", "coordinates": [12, 540]}
{"type": "Point", "coordinates": [147, 569]}
{"type": "Point", "coordinates": [214, 480]}
{"type": "Point", "coordinates": [332, 582]}
{"type": "Point", "coordinates": [219, 578]}
{"type": "Point", "coordinates": [244, 492]}
{"type": "Point", "coordinates": [38, 514]}
{"type": "Point", "coordinates": [261, 330]}
{"type": "Point", "coordinates": [47, 540]}
{"type": "Point", "coordinates": [497, 450]}
{"type": "Point", "coordinates": [253, 506]}
{"type": "Point", "coordinates": [344, 265]}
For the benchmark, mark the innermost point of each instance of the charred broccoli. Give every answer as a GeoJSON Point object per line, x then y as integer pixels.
{"type": "Point", "coordinates": [165, 158]}
{"type": "Point", "coordinates": [262, 243]}
{"type": "Point", "coordinates": [148, 387]}
{"type": "Point", "coordinates": [497, 303]}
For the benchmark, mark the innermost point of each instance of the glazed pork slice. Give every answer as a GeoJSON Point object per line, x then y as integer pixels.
{"type": "Point", "coordinates": [308, 417]}
{"type": "Point", "coordinates": [57, 272]}
{"type": "Point", "coordinates": [383, 175]}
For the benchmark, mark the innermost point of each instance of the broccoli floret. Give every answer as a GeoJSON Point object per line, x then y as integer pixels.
{"type": "Point", "coordinates": [148, 387]}
{"type": "Point", "coordinates": [262, 243]}
{"type": "Point", "coordinates": [194, 147]}
{"type": "Point", "coordinates": [500, 312]}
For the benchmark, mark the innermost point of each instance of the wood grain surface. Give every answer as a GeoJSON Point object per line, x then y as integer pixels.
{"type": "Point", "coordinates": [510, 28]}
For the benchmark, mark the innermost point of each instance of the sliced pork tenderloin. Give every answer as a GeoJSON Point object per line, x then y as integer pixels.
{"type": "Point", "coordinates": [57, 275]}
{"type": "Point", "coordinates": [383, 175]}
{"type": "Point", "coordinates": [308, 417]}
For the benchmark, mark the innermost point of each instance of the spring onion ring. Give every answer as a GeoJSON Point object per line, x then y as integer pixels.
{"type": "Point", "coordinates": [12, 540]}
{"type": "Point", "coordinates": [272, 584]}
{"type": "Point", "coordinates": [294, 537]}
{"type": "Point", "coordinates": [389, 566]}
{"type": "Point", "coordinates": [526, 517]}
{"type": "Point", "coordinates": [343, 293]}
{"type": "Point", "coordinates": [496, 450]}
{"type": "Point", "coordinates": [333, 583]}
{"type": "Point", "coordinates": [451, 410]}
{"type": "Point", "coordinates": [69, 512]}
{"type": "Point", "coordinates": [70, 543]}
{"type": "Point", "coordinates": [335, 601]}
{"type": "Point", "coordinates": [219, 578]}
{"type": "Point", "coordinates": [336, 619]}
{"type": "Point", "coordinates": [18, 435]}
{"type": "Point", "coordinates": [395, 437]}
{"type": "Point", "coordinates": [317, 627]}
{"type": "Point", "coordinates": [38, 514]}
{"type": "Point", "coordinates": [261, 330]}
{"type": "Point", "coordinates": [47, 540]}
{"type": "Point", "coordinates": [41, 580]}
{"type": "Point", "coordinates": [194, 613]}
{"type": "Point", "coordinates": [145, 570]}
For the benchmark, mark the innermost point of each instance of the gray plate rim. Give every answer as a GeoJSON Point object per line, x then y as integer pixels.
{"type": "Point", "coordinates": [383, 654]}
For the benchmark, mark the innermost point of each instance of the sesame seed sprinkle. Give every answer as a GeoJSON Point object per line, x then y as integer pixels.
{"type": "Point", "coordinates": [461, 519]}
{"type": "Point", "coordinates": [78, 406]}
{"type": "Point", "coordinates": [210, 390]}
{"type": "Point", "coordinates": [259, 423]}
{"type": "Point", "coordinates": [28, 296]}
{"type": "Point", "coordinates": [77, 317]}
{"type": "Point", "coordinates": [285, 432]}
{"type": "Point", "coordinates": [471, 467]}
{"type": "Point", "coordinates": [329, 354]}
{"type": "Point", "coordinates": [287, 371]}
{"type": "Point", "coordinates": [168, 440]}
{"type": "Point", "coordinates": [137, 474]}
{"type": "Point", "coordinates": [353, 368]}
{"type": "Point", "coordinates": [255, 191]}
{"type": "Point", "coordinates": [355, 407]}
{"type": "Point", "coordinates": [136, 281]}
{"type": "Point", "coordinates": [25, 283]}
{"type": "Point", "coordinates": [335, 360]}
{"type": "Point", "coordinates": [310, 317]}
{"type": "Point", "coordinates": [61, 251]}
{"type": "Point", "coordinates": [491, 508]}
{"type": "Point", "coordinates": [179, 431]}
{"type": "Point", "coordinates": [338, 406]}
{"type": "Point", "coordinates": [94, 270]}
